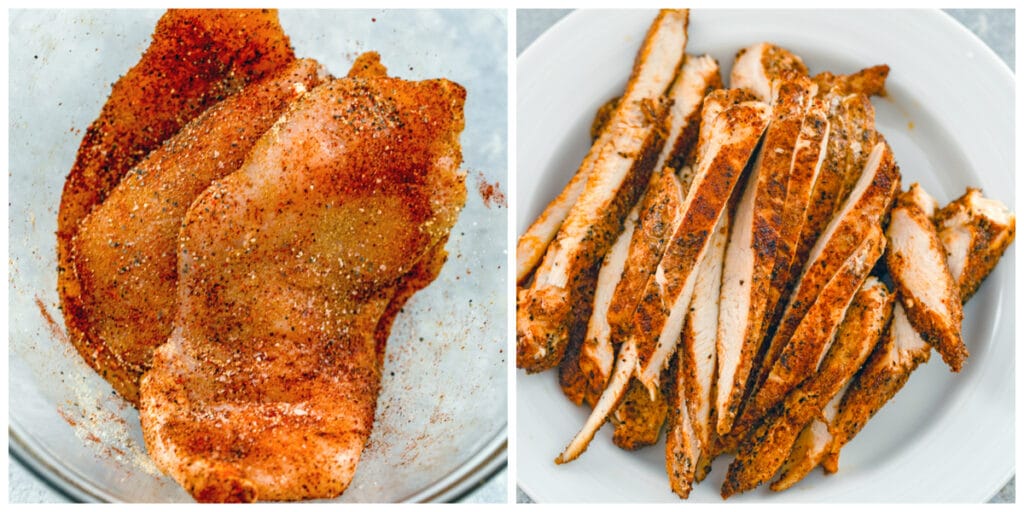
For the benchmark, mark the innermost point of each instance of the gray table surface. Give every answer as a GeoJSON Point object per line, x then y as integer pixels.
{"type": "Point", "coordinates": [994, 26]}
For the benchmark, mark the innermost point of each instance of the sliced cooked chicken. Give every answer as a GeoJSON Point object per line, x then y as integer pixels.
{"type": "Point", "coordinates": [826, 194]}
{"type": "Point", "coordinates": [884, 373]}
{"type": "Point", "coordinates": [734, 134]}
{"type": "Point", "coordinates": [544, 310]}
{"type": "Point", "coordinates": [619, 285]}
{"type": "Point", "coordinates": [868, 81]}
{"type": "Point", "coordinates": [618, 384]}
{"type": "Point", "coordinates": [917, 263]}
{"type": "Point", "coordinates": [690, 429]}
{"type": "Point", "coordinates": [125, 250]}
{"type": "Point", "coordinates": [753, 245]}
{"type": "Point", "coordinates": [620, 172]}
{"type": "Point", "coordinates": [660, 215]}
{"type": "Point", "coordinates": [810, 446]}
{"type": "Point", "coordinates": [196, 59]}
{"type": "Point", "coordinates": [765, 450]}
{"type": "Point", "coordinates": [661, 204]}
{"type": "Point", "coordinates": [656, 63]}
{"type": "Point", "coordinates": [802, 355]}
{"type": "Point", "coordinates": [863, 211]}
{"type": "Point", "coordinates": [756, 66]}
{"type": "Point", "coordinates": [975, 231]}
{"type": "Point", "coordinates": [267, 386]}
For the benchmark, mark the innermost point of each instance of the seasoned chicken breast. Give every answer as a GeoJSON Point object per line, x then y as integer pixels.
{"type": "Point", "coordinates": [630, 262]}
{"type": "Point", "coordinates": [266, 387]}
{"type": "Point", "coordinates": [690, 427]}
{"type": "Point", "coordinates": [125, 251]}
{"type": "Point", "coordinates": [734, 135]}
{"type": "Point", "coordinates": [196, 58]}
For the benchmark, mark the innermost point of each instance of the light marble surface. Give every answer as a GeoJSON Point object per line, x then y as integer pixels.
{"type": "Point", "coordinates": [993, 26]}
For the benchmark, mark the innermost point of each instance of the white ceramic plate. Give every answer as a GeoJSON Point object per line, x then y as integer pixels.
{"type": "Point", "coordinates": [441, 418]}
{"type": "Point", "coordinates": [949, 118]}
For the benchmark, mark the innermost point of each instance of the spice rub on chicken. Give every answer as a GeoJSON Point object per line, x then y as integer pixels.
{"type": "Point", "coordinates": [196, 59]}
{"type": "Point", "coordinates": [125, 251]}
{"type": "Point", "coordinates": [267, 386]}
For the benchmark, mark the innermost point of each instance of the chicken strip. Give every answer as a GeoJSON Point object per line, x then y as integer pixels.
{"type": "Point", "coordinates": [975, 231]}
{"type": "Point", "coordinates": [734, 133]}
{"type": "Point", "coordinates": [699, 76]}
{"type": "Point", "coordinates": [756, 66]}
{"type": "Point", "coordinates": [750, 254]}
{"type": "Point", "coordinates": [656, 63]}
{"type": "Point", "coordinates": [816, 438]}
{"type": "Point", "coordinates": [662, 206]}
{"type": "Point", "coordinates": [765, 450]}
{"type": "Point", "coordinates": [574, 382]}
{"type": "Point", "coordinates": [861, 137]}
{"type": "Point", "coordinates": [125, 250]}
{"type": "Point", "coordinates": [660, 214]}
{"type": "Point", "coordinates": [808, 157]}
{"type": "Point", "coordinates": [267, 386]}
{"type": "Point", "coordinates": [658, 211]}
{"type": "Point", "coordinates": [917, 263]}
{"type": "Point", "coordinates": [862, 213]}
{"type": "Point", "coordinates": [196, 59]}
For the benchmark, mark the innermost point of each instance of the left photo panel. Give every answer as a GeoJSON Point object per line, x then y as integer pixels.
{"type": "Point", "coordinates": [258, 255]}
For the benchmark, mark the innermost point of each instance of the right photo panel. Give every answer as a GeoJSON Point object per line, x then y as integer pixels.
{"type": "Point", "coordinates": [765, 256]}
